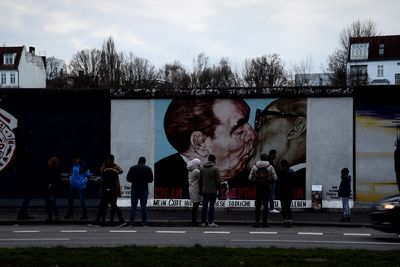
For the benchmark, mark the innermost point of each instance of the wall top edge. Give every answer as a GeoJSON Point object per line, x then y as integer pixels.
{"type": "Point", "coordinates": [149, 93]}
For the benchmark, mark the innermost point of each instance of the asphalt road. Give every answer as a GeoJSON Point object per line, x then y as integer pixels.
{"type": "Point", "coordinates": [226, 236]}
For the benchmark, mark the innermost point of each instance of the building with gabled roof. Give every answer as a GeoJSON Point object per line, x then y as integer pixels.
{"type": "Point", "coordinates": [20, 68]}
{"type": "Point", "coordinates": [374, 60]}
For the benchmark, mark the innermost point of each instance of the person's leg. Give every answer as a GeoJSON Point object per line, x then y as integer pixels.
{"type": "Point", "coordinates": [259, 197]}
{"type": "Point", "coordinates": [346, 213]}
{"type": "Point", "coordinates": [70, 203]}
{"type": "Point", "coordinates": [54, 207]}
{"type": "Point", "coordinates": [266, 197]}
{"type": "Point", "coordinates": [48, 203]}
{"type": "Point", "coordinates": [204, 209]}
{"type": "Point", "coordinates": [194, 212]}
{"type": "Point", "coordinates": [82, 197]}
{"type": "Point", "coordinates": [213, 198]}
{"type": "Point", "coordinates": [143, 206]}
{"type": "Point", "coordinates": [284, 210]}
{"type": "Point", "coordinates": [115, 208]}
{"type": "Point", "coordinates": [134, 202]}
{"type": "Point", "coordinates": [271, 196]}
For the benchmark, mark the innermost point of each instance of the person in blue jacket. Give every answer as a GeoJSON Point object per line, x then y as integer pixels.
{"type": "Point", "coordinates": [77, 184]}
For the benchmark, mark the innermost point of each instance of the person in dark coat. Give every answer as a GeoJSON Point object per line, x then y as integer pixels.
{"type": "Point", "coordinates": [210, 184]}
{"type": "Point", "coordinates": [119, 170]}
{"type": "Point", "coordinates": [344, 193]}
{"type": "Point", "coordinates": [287, 178]}
{"type": "Point", "coordinates": [53, 177]}
{"type": "Point", "coordinates": [109, 193]}
{"type": "Point", "coordinates": [140, 176]}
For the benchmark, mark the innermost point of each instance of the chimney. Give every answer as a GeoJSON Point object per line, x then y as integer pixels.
{"type": "Point", "coordinates": [32, 50]}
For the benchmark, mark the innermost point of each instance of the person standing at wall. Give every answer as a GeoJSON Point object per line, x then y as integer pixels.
{"type": "Point", "coordinates": [194, 187]}
{"type": "Point", "coordinates": [140, 176]}
{"type": "Point", "coordinates": [52, 177]}
{"type": "Point", "coordinates": [210, 184]}
{"type": "Point", "coordinates": [109, 193]}
{"type": "Point", "coordinates": [117, 188]}
{"type": "Point", "coordinates": [344, 193]}
{"type": "Point", "coordinates": [77, 184]}
{"type": "Point", "coordinates": [271, 157]}
{"type": "Point", "coordinates": [287, 178]}
{"type": "Point", "coordinates": [263, 174]}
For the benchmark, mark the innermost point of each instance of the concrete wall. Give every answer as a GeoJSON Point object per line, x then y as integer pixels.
{"type": "Point", "coordinates": [329, 143]}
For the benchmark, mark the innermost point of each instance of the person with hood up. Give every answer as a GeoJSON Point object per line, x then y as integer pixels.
{"type": "Point", "coordinates": [344, 193]}
{"type": "Point", "coordinates": [263, 174]}
{"type": "Point", "coordinates": [210, 184]}
{"type": "Point", "coordinates": [194, 187]}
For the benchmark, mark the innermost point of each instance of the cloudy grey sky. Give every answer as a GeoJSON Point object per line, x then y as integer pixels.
{"type": "Point", "coordinates": [166, 30]}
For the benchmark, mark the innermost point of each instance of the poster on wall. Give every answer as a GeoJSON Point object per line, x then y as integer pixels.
{"type": "Point", "coordinates": [237, 131]}
{"type": "Point", "coordinates": [377, 147]}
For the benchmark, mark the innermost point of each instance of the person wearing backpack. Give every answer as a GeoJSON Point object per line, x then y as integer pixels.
{"type": "Point", "coordinates": [263, 174]}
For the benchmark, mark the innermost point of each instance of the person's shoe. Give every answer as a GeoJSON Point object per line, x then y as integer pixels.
{"type": "Point", "coordinates": [212, 224]}
{"type": "Point", "coordinates": [289, 223]}
{"type": "Point", "coordinates": [195, 224]}
{"type": "Point", "coordinates": [256, 225]}
{"type": "Point", "coordinates": [123, 224]}
{"type": "Point", "coordinates": [203, 224]}
{"type": "Point", "coordinates": [274, 211]}
{"type": "Point", "coordinates": [343, 219]}
{"type": "Point", "coordinates": [347, 219]}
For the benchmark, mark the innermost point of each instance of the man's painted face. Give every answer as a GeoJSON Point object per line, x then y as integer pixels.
{"type": "Point", "coordinates": [234, 137]}
{"type": "Point", "coordinates": [272, 134]}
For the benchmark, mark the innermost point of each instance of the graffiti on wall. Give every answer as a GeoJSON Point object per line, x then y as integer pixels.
{"type": "Point", "coordinates": [236, 131]}
{"type": "Point", "coordinates": [377, 149]}
{"type": "Point", "coordinates": [7, 138]}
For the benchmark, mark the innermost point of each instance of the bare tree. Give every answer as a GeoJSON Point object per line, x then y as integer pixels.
{"type": "Point", "coordinates": [175, 75]}
{"type": "Point", "coordinates": [201, 77]}
{"type": "Point", "coordinates": [338, 59]}
{"type": "Point", "coordinates": [85, 66]}
{"type": "Point", "coordinates": [264, 71]}
{"type": "Point", "coordinates": [110, 64]}
{"type": "Point", "coordinates": [224, 76]}
{"type": "Point", "coordinates": [55, 68]}
{"type": "Point", "coordinates": [138, 72]}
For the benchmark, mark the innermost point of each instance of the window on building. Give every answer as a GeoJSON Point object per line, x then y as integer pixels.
{"type": "Point", "coordinates": [380, 71]}
{"type": "Point", "coordinates": [359, 75]}
{"type": "Point", "coordinates": [12, 78]}
{"type": "Point", "coordinates": [359, 51]}
{"type": "Point", "coordinates": [3, 78]}
{"type": "Point", "coordinates": [9, 59]}
{"type": "Point", "coordinates": [381, 49]}
{"type": "Point", "coordinates": [397, 78]}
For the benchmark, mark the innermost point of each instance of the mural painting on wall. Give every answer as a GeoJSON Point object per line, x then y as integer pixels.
{"type": "Point", "coordinates": [7, 138]}
{"type": "Point", "coordinates": [236, 131]}
{"type": "Point", "coordinates": [377, 149]}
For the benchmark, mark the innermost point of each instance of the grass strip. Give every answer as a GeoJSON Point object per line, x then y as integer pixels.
{"type": "Point", "coordinates": [193, 257]}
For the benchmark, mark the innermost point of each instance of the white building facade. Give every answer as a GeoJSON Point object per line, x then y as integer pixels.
{"type": "Point", "coordinates": [20, 68]}
{"type": "Point", "coordinates": [374, 60]}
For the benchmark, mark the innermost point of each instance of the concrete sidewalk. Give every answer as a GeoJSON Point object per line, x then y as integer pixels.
{"type": "Point", "coordinates": [182, 217]}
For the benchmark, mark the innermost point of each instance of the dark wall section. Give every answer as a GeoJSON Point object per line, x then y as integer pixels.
{"type": "Point", "coordinates": [55, 123]}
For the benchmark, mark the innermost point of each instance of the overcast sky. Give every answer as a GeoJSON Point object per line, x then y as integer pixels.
{"type": "Point", "coordinates": [166, 30]}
